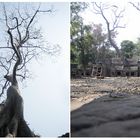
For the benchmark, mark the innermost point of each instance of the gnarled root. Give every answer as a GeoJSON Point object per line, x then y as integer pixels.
{"type": "Point", "coordinates": [12, 123]}
{"type": "Point", "coordinates": [15, 128]}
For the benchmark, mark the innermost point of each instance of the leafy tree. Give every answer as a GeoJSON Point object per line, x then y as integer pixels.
{"type": "Point", "coordinates": [78, 30]}
{"type": "Point", "coordinates": [99, 42]}
{"type": "Point", "coordinates": [136, 50]}
{"type": "Point", "coordinates": [76, 23]}
{"type": "Point", "coordinates": [127, 48]}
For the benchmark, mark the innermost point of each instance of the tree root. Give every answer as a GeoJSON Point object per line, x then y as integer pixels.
{"type": "Point", "coordinates": [22, 130]}
{"type": "Point", "coordinates": [12, 123]}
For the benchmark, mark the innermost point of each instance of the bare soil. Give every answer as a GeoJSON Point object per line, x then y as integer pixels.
{"type": "Point", "coordinates": [87, 89]}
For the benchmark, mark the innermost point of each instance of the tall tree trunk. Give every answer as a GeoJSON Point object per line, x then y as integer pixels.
{"type": "Point", "coordinates": [113, 44]}
{"type": "Point", "coordinates": [12, 123]}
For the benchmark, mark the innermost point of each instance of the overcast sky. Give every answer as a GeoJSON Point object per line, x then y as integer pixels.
{"type": "Point", "coordinates": [46, 95]}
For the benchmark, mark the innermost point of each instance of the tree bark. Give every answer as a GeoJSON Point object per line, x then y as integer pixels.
{"type": "Point", "coordinates": [112, 42]}
{"type": "Point", "coordinates": [12, 123]}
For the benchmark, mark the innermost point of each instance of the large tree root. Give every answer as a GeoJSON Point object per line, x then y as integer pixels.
{"type": "Point", "coordinates": [22, 131]}
{"type": "Point", "coordinates": [12, 123]}
{"type": "Point", "coordinates": [19, 126]}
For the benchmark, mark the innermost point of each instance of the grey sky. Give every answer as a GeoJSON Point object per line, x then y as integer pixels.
{"type": "Point", "coordinates": [47, 95]}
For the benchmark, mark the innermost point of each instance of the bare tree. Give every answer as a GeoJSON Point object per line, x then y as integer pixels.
{"type": "Point", "coordinates": [136, 5]}
{"type": "Point", "coordinates": [24, 42]}
{"type": "Point", "coordinates": [113, 23]}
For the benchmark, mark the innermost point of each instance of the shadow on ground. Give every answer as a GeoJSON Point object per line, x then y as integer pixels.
{"type": "Point", "coordinates": [108, 116]}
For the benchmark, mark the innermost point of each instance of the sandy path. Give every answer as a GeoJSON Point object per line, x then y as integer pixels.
{"type": "Point", "coordinates": [78, 102]}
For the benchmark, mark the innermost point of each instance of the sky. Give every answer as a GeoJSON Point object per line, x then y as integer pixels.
{"type": "Point", "coordinates": [131, 20]}
{"type": "Point", "coordinates": [46, 98]}
{"type": "Point", "coordinates": [46, 94]}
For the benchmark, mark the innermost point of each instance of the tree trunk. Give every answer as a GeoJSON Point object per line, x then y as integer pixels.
{"type": "Point", "coordinates": [110, 36]}
{"type": "Point", "coordinates": [12, 123]}
{"type": "Point", "coordinates": [112, 42]}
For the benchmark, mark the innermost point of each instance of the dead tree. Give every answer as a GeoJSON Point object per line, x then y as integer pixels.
{"type": "Point", "coordinates": [135, 5]}
{"type": "Point", "coordinates": [20, 50]}
{"type": "Point", "coordinates": [113, 24]}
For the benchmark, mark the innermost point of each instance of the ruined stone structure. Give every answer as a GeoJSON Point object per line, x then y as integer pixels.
{"type": "Point", "coordinates": [110, 68]}
{"type": "Point", "coordinates": [126, 67]}
{"type": "Point", "coordinates": [118, 67]}
{"type": "Point", "coordinates": [98, 70]}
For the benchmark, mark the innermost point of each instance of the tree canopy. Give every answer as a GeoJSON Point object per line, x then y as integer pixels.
{"type": "Point", "coordinates": [127, 48]}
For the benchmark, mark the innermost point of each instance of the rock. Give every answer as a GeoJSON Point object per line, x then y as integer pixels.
{"type": "Point", "coordinates": [64, 135]}
{"type": "Point", "coordinates": [107, 117]}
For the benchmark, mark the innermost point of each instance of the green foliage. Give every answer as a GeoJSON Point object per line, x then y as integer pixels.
{"type": "Point", "coordinates": [76, 19]}
{"type": "Point", "coordinates": [77, 7]}
{"type": "Point", "coordinates": [137, 48]}
{"type": "Point", "coordinates": [76, 31]}
{"type": "Point", "coordinates": [89, 43]}
{"type": "Point", "coordinates": [74, 54]}
{"type": "Point", "coordinates": [127, 48]}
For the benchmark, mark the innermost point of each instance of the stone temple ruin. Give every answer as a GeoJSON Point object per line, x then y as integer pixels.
{"type": "Point", "coordinates": [115, 67]}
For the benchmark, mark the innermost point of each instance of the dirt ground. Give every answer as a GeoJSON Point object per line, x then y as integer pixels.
{"type": "Point", "coordinates": [87, 89]}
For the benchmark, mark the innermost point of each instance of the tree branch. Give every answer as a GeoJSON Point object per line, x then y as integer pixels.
{"type": "Point", "coordinates": [17, 27]}
{"type": "Point", "coordinates": [3, 88]}
{"type": "Point", "coordinates": [22, 37]}
{"type": "Point", "coordinates": [136, 6]}
{"type": "Point", "coordinates": [99, 8]}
